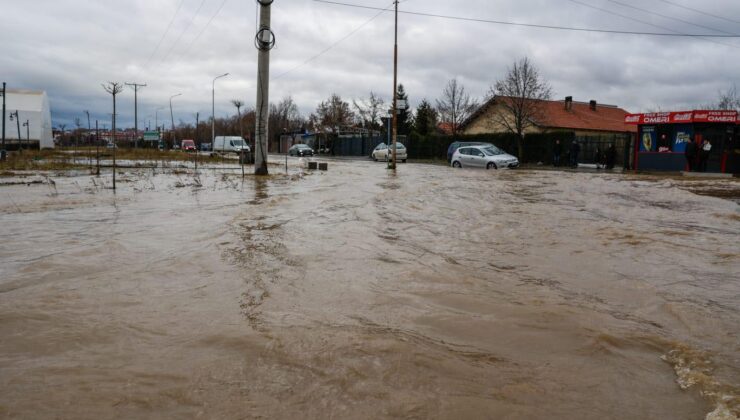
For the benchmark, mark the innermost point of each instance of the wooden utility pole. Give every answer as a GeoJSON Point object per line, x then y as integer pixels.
{"type": "Point", "coordinates": [264, 42]}
{"type": "Point", "coordinates": [136, 87]}
{"type": "Point", "coordinates": [392, 164]}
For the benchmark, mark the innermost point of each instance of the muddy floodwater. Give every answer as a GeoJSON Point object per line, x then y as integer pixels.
{"type": "Point", "coordinates": [357, 293]}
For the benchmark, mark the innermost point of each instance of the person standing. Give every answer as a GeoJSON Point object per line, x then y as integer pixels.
{"type": "Point", "coordinates": [611, 156]}
{"type": "Point", "coordinates": [706, 148]}
{"type": "Point", "coordinates": [690, 154]}
{"type": "Point", "coordinates": [575, 148]}
{"type": "Point", "coordinates": [557, 150]}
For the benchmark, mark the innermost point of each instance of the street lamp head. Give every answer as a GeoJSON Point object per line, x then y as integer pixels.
{"type": "Point", "coordinates": [174, 96]}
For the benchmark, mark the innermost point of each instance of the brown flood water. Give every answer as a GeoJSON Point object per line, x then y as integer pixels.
{"type": "Point", "coordinates": [356, 293]}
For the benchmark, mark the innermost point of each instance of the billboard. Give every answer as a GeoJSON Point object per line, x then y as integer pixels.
{"type": "Point", "coordinates": [683, 117]}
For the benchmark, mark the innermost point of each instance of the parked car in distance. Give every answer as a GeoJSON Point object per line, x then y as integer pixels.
{"type": "Point", "coordinates": [233, 144]}
{"type": "Point", "coordinates": [489, 157]}
{"type": "Point", "coordinates": [111, 145]}
{"type": "Point", "coordinates": [458, 144]}
{"type": "Point", "coordinates": [205, 147]}
{"type": "Point", "coordinates": [383, 151]}
{"type": "Point", "coordinates": [188, 146]}
{"type": "Point", "coordinates": [300, 150]}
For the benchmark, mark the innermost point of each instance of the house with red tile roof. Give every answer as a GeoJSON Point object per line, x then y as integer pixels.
{"type": "Point", "coordinates": [580, 118]}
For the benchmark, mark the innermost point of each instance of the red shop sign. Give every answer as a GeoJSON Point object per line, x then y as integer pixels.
{"type": "Point", "coordinates": [682, 117]}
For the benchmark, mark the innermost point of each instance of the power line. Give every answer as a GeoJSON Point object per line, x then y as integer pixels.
{"type": "Point", "coordinates": [531, 25]}
{"type": "Point", "coordinates": [195, 15]}
{"type": "Point", "coordinates": [699, 11]}
{"type": "Point", "coordinates": [338, 42]}
{"type": "Point", "coordinates": [185, 51]}
{"type": "Point", "coordinates": [668, 17]}
{"type": "Point", "coordinates": [166, 31]}
{"type": "Point", "coordinates": [702, 37]}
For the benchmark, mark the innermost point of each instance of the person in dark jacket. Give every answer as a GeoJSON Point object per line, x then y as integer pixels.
{"type": "Point", "coordinates": [690, 154]}
{"type": "Point", "coordinates": [706, 148]}
{"type": "Point", "coordinates": [557, 151]}
{"type": "Point", "coordinates": [575, 149]}
{"type": "Point", "coordinates": [611, 156]}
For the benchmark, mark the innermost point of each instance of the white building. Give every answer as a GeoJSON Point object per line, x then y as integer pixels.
{"type": "Point", "coordinates": [32, 106]}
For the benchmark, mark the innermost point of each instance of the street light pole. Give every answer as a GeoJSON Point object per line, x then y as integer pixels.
{"type": "Point", "coordinates": [213, 108]}
{"type": "Point", "coordinates": [172, 119]}
{"type": "Point", "coordinates": [18, 122]}
{"type": "Point", "coordinates": [28, 136]}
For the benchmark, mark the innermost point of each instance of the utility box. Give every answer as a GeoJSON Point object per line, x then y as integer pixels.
{"type": "Point", "coordinates": [323, 166]}
{"type": "Point", "coordinates": [312, 165]}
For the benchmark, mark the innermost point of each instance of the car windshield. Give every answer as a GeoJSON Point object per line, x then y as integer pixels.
{"type": "Point", "coordinates": [237, 142]}
{"type": "Point", "coordinates": [301, 146]}
{"type": "Point", "coordinates": [400, 146]}
{"type": "Point", "coordinates": [492, 151]}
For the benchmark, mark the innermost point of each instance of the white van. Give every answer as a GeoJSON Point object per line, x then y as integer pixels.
{"type": "Point", "coordinates": [233, 144]}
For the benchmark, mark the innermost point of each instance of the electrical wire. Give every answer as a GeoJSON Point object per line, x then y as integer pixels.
{"type": "Point", "coordinates": [185, 29]}
{"type": "Point", "coordinates": [344, 38]}
{"type": "Point", "coordinates": [531, 25]}
{"type": "Point", "coordinates": [703, 38]}
{"type": "Point", "coordinates": [194, 40]}
{"type": "Point", "coordinates": [166, 31]}
{"type": "Point", "coordinates": [699, 11]}
{"type": "Point", "coordinates": [668, 17]}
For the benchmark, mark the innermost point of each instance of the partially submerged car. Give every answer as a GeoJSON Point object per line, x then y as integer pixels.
{"type": "Point", "coordinates": [489, 157]}
{"type": "Point", "coordinates": [300, 150]}
{"type": "Point", "coordinates": [384, 152]}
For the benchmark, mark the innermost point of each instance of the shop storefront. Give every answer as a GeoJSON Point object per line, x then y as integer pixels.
{"type": "Point", "coordinates": [662, 139]}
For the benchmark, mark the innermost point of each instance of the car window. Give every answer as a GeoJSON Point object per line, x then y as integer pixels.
{"type": "Point", "coordinates": [464, 151]}
{"type": "Point", "coordinates": [476, 152]}
{"type": "Point", "coordinates": [492, 151]}
{"type": "Point", "coordinates": [231, 143]}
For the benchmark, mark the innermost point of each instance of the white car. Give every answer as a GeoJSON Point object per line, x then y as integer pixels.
{"type": "Point", "coordinates": [382, 151]}
{"type": "Point", "coordinates": [489, 157]}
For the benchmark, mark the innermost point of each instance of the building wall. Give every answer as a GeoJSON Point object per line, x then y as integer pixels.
{"type": "Point", "coordinates": [487, 124]}
{"type": "Point", "coordinates": [34, 107]}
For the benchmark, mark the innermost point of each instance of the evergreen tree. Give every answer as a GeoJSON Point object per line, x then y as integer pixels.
{"type": "Point", "coordinates": [426, 118]}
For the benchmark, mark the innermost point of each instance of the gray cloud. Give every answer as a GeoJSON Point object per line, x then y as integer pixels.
{"type": "Point", "coordinates": [70, 47]}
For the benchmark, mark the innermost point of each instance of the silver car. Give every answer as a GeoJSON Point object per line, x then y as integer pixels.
{"type": "Point", "coordinates": [489, 157]}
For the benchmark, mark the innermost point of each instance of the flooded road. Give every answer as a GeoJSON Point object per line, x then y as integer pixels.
{"type": "Point", "coordinates": [357, 293]}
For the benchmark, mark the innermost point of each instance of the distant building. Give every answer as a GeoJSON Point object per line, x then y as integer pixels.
{"type": "Point", "coordinates": [579, 118]}
{"type": "Point", "coordinates": [664, 137]}
{"type": "Point", "coordinates": [32, 106]}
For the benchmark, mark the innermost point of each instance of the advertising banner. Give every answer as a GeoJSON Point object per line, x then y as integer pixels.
{"type": "Point", "coordinates": [648, 139]}
{"type": "Point", "coordinates": [683, 117]}
{"type": "Point", "coordinates": [682, 135]}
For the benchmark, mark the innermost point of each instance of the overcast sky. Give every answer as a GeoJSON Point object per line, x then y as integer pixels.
{"type": "Point", "coordinates": [69, 47]}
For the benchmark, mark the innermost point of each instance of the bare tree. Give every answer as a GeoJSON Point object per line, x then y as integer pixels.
{"type": "Point", "coordinates": [114, 88]}
{"type": "Point", "coordinates": [61, 128]}
{"type": "Point", "coordinates": [729, 100]}
{"type": "Point", "coordinates": [239, 104]}
{"type": "Point", "coordinates": [455, 106]}
{"type": "Point", "coordinates": [520, 100]}
{"type": "Point", "coordinates": [370, 110]}
{"type": "Point", "coordinates": [284, 116]}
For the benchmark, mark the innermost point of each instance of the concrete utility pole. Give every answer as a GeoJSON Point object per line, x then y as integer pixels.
{"type": "Point", "coordinates": [213, 107]}
{"type": "Point", "coordinates": [3, 115]}
{"type": "Point", "coordinates": [264, 41]}
{"type": "Point", "coordinates": [392, 164]}
{"type": "Point", "coordinates": [136, 87]}
{"type": "Point", "coordinates": [172, 120]}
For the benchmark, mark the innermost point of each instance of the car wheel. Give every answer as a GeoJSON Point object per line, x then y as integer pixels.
{"type": "Point", "coordinates": [456, 164]}
{"type": "Point", "coordinates": [491, 165]}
